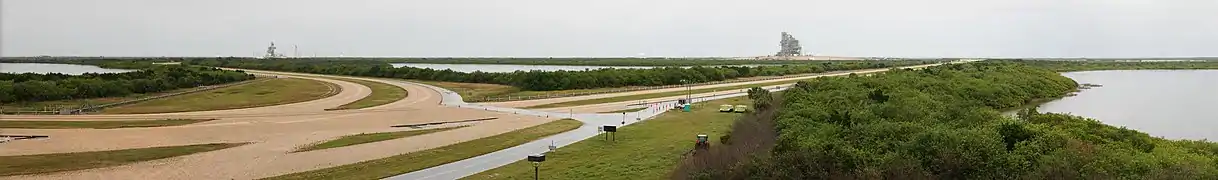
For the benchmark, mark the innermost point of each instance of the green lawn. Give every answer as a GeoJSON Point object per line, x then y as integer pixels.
{"type": "Point", "coordinates": [268, 92]}
{"type": "Point", "coordinates": [647, 150]}
{"type": "Point", "coordinates": [382, 94]}
{"type": "Point", "coordinates": [470, 91]}
{"type": "Point", "coordinates": [48, 163]}
{"type": "Point", "coordinates": [97, 124]}
{"type": "Point", "coordinates": [657, 95]}
{"type": "Point", "coordinates": [626, 110]}
{"type": "Point", "coordinates": [369, 138]}
{"type": "Point", "coordinates": [404, 163]}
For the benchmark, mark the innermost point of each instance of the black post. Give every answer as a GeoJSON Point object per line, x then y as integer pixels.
{"type": "Point", "coordinates": [535, 174]}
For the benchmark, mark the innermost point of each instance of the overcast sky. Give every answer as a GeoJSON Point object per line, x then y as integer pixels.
{"type": "Point", "coordinates": [563, 28]}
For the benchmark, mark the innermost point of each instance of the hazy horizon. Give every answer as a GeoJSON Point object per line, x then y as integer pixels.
{"type": "Point", "coordinates": [626, 28]}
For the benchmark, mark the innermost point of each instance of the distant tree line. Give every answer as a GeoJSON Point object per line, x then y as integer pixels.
{"type": "Point", "coordinates": [1094, 65]}
{"type": "Point", "coordinates": [602, 61]}
{"type": "Point", "coordinates": [943, 123]}
{"type": "Point", "coordinates": [605, 61]}
{"type": "Point", "coordinates": [546, 80]}
{"type": "Point", "coordinates": [31, 87]}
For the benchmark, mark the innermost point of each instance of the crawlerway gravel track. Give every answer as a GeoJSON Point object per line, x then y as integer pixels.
{"type": "Point", "coordinates": [275, 131]}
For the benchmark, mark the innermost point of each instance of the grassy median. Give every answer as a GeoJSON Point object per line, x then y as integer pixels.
{"type": "Point", "coordinates": [269, 92]}
{"type": "Point", "coordinates": [48, 163]}
{"type": "Point", "coordinates": [647, 150]}
{"type": "Point", "coordinates": [382, 94]}
{"type": "Point", "coordinates": [369, 138]}
{"type": "Point", "coordinates": [97, 124]}
{"type": "Point", "coordinates": [404, 163]}
{"type": "Point", "coordinates": [659, 95]}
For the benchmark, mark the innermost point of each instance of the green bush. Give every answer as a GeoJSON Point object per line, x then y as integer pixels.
{"type": "Point", "coordinates": [943, 122]}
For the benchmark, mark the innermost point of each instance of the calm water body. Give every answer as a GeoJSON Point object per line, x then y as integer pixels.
{"type": "Point", "coordinates": [1175, 104]}
{"type": "Point", "coordinates": [41, 68]}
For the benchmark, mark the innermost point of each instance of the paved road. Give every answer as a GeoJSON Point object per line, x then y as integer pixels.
{"type": "Point", "coordinates": [471, 166]}
{"type": "Point", "coordinates": [495, 159]}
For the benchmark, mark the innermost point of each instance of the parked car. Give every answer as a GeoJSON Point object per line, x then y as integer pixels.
{"type": "Point", "coordinates": [725, 108]}
{"type": "Point", "coordinates": [740, 108]}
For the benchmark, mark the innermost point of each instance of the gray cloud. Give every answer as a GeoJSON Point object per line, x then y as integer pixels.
{"type": "Point", "coordinates": [928, 28]}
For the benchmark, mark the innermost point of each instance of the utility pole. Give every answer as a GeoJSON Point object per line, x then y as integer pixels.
{"type": "Point", "coordinates": [688, 92]}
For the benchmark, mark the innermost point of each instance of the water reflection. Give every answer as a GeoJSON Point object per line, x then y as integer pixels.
{"type": "Point", "coordinates": [1176, 104]}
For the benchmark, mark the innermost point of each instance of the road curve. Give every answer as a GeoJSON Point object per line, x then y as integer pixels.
{"type": "Point", "coordinates": [467, 167]}
{"type": "Point", "coordinates": [271, 139]}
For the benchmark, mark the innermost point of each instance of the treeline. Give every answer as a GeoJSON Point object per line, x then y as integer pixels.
{"type": "Point", "coordinates": [123, 63]}
{"type": "Point", "coordinates": [1066, 66]}
{"type": "Point", "coordinates": [620, 61]}
{"type": "Point", "coordinates": [31, 87]}
{"type": "Point", "coordinates": [943, 123]}
{"type": "Point", "coordinates": [600, 61]}
{"type": "Point", "coordinates": [545, 80]}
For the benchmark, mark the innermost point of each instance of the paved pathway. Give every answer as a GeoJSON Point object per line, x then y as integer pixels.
{"type": "Point", "coordinates": [655, 106]}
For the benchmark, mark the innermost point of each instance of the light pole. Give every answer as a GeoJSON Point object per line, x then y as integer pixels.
{"type": "Point", "coordinates": [536, 159]}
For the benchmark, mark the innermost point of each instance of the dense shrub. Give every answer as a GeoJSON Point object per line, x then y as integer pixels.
{"type": "Point", "coordinates": [30, 87]}
{"type": "Point", "coordinates": [943, 123]}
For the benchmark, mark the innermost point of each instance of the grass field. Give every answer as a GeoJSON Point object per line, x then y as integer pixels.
{"type": "Point", "coordinates": [626, 110]}
{"type": "Point", "coordinates": [399, 164]}
{"type": "Point", "coordinates": [648, 150]}
{"type": "Point", "coordinates": [48, 163]}
{"type": "Point", "coordinates": [657, 95]}
{"type": "Point", "coordinates": [97, 124]}
{"type": "Point", "coordinates": [268, 92]}
{"type": "Point", "coordinates": [472, 91]}
{"type": "Point", "coordinates": [381, 94]}
{"type": "Point", "coordinates": [369, 138]}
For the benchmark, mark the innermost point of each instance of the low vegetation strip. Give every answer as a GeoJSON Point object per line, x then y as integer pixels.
{"type": "Point", "coordinates": [547, 80]}
{"type": "Point", "coordinates": [382, 94]}
{"type": "Point", "coordinates": [49, 163]}
{"type": "Point", "coordinates": [404, 163]}
{"type": "Point", "coordinates": [1095, 65]}
{"type": "Point", "coordinates": [97, 124]}
{"type": "Point", "coordinates": [369, 138]}
{"type": "Point", "coordinates": [657, 95]}
{"type": "Point", "coordinates": [598, 61]}
{"type": "Point", "coordinates": [647, 150]}
{"type": "Point", "coordinates": [275, 91]}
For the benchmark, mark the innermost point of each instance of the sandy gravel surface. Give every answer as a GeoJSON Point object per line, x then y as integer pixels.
{"type": "Point", "coordinates": [272, 132]}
